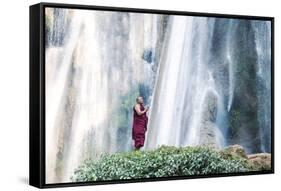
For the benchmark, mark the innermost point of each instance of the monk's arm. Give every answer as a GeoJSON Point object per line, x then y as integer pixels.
{"type": "Point", "coordinates": [139, 112]}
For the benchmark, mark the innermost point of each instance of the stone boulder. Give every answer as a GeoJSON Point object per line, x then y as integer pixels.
{"type": "Point", "coordinates": [256, 162]}
{"type": "Point", "coordinates": [234, 151]}
{"type": "Point", "coordinates": [260, 161]}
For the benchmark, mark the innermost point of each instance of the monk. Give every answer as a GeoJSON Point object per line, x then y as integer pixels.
{"type": "Point", "coordinates": [139, 123]}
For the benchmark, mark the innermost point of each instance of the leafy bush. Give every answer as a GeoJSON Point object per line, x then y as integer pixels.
{"type": "Point", "coordinates": [162, 162]}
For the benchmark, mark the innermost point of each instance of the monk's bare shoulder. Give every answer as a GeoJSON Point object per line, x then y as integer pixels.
{"type": "Point", "coordinates": [137, 106]}
{"type": "Point", "coordinates": [138, 109]}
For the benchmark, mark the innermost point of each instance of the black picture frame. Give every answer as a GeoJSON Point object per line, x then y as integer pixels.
{"type": "Point", "coordinates": [37, 93]}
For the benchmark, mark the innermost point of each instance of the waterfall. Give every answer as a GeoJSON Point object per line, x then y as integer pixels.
{"type": "Point", "coordinates": [58, 63]}
{"type": "Point", "coordinates": [202, 72]}
{"type": "Point", "coordinates": [184, 74]}
{"type": "Point", "coordinates": [263, 44]}
{"type": "Point", "coordinates": [99, 64]}
{"type": "Point", "coordinates": [204, 79]}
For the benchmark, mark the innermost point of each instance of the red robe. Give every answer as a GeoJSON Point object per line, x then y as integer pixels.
{"type": "Point", "coordinates": [139, 127]}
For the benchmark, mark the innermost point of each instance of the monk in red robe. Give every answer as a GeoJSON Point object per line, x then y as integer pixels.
{"type": "Point", "coordinates": [139, 123]}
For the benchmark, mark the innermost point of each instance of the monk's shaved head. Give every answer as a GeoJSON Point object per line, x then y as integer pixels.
{"type": "Point", "coordinates": [139, 99]}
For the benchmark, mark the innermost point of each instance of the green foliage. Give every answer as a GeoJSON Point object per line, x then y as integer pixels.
{"type": "Point", "coordinates": [163, 162]}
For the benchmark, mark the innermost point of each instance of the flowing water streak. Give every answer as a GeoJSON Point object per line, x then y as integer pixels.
{"type": "Point", "coordinates": [163, 103]}
{"type": "Point", "coordinates": [201, 82]}
{"type": "Point", "coordinates": [229, 57]}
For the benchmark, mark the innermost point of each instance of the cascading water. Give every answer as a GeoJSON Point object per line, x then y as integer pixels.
{"type": "Point", "coordinates": [99, 64]}
{"type": "Point", "coordinates": [263, 47]}
{"type": "Point", "coordinates": [184, 74]}
{"type": "Point", "coordinates": [208, 86]}
{"type": "Point", "coordinates": [207, 81]}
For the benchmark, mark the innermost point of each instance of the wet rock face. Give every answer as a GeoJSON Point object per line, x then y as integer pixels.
{"type": "Point", "coordinates": [210, 112]}
{"type": "Point", "coordinates": [210, 134]}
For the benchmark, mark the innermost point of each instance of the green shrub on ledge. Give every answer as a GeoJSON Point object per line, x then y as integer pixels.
{"type": "Point", "coordinates": [162, 162]}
